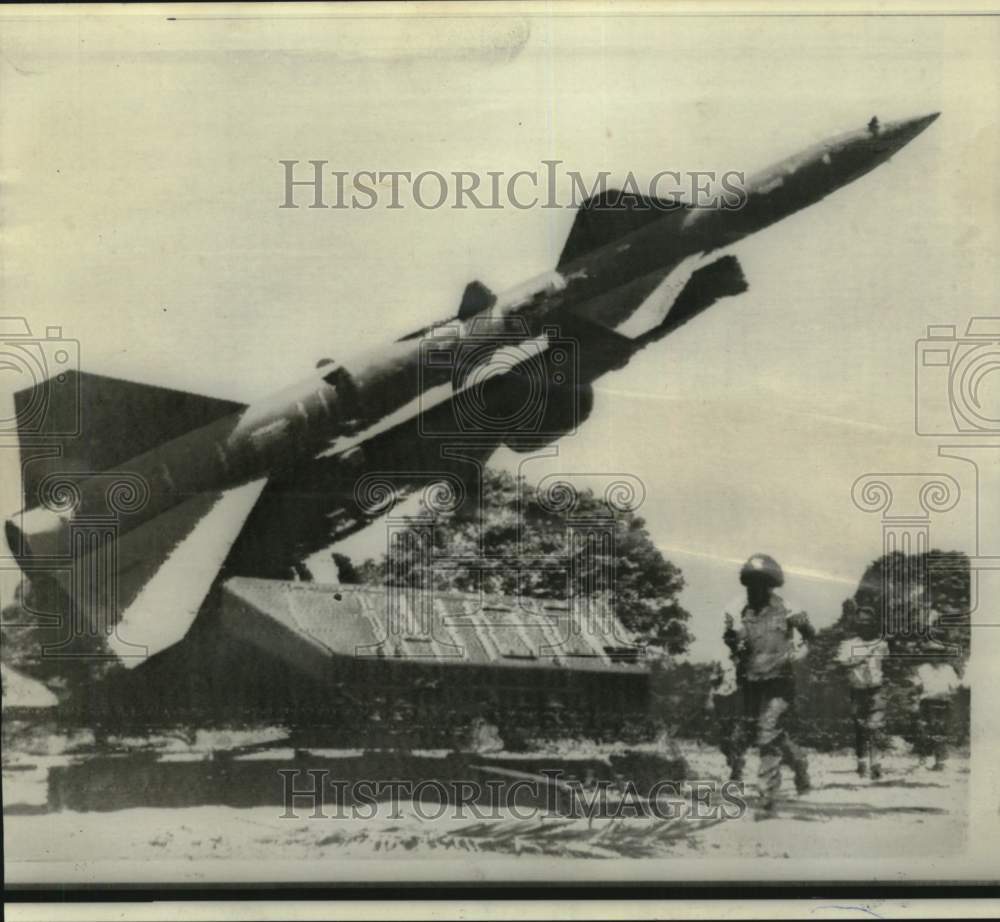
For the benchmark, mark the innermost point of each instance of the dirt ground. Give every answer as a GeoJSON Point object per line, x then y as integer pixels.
{"type": "Point", "coordinates": [910, 811]}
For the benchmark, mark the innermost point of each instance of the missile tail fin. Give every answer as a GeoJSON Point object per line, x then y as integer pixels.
{"type": "Point", "coordinates": [651, 306]}
{"type": "Point", "coordinates": [76, 422]}
{"type": "Point", "coordinates": [476, 297]}
{"type": "Point", "coordinates": [611, 215]}
{"type": "Point", "coordinates": [167, 567]}
{"type": "Point", "coordinates": [722, 278]}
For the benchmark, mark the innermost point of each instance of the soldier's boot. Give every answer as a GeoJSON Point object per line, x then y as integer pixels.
{"type": "Point", "coordinates": [860, 747]}
{"type": "Point", "coordinates": [874, 753]}
{"type": "Point", "coordinates": [765, 811]}
{"type": "Point", "coordinates": [803, 785]}
{"type": "Point", "coordinates": [796, 758]}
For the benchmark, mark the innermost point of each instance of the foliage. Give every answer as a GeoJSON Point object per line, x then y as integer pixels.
{"type": "Point", "coordinates": [894, 587]}
{"type": "Point", "coordinates": [512, 524]}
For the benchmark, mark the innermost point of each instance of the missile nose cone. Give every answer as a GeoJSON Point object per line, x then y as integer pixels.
{"type": "Point", "coordinates": [920, 123]}
{"type": "Point", "coordinates": [898, 134]}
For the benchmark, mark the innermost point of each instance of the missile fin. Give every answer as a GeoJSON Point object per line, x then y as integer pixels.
{"type": "Point", "coordinates": [652, 312]}
{"type": "Point", "coordinates": [722, 278]}
{"type": "Point", "coordinates": [652, 306]}
{"type": "Point", "coordinates": [476, 297]}
{"type": "Point", "coordinates": [168, 566]}
{"type": "Point", "coordinates": [610, 216]}
{"type": "Point", "coordinates": [98, 422]}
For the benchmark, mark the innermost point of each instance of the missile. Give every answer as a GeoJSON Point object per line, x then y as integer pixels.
{"type": "Point", "coordinates": [178, 490]}
{"type": "Point", "coordinates": [803, 179]}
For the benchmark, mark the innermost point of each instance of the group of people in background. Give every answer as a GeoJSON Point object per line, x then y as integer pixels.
{"type": "Point", "coordinates": [753, 698]}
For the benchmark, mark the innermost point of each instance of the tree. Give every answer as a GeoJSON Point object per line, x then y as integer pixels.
{"type": "Point", "coordinates": [347, 573]}
{"type": "Point", "coordinates": [934, 586]}
{"type": "Point", "coordinates": [514, 524]}
{"type": "Point", "coordinates": [923, 601]}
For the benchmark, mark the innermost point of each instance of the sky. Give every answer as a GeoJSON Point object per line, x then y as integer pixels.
{"type": "Point", "coordinates": [141, 185]}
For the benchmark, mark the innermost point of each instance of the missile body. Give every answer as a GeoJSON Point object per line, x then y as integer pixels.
{"type": "Point", "coordinates": [337, 402]}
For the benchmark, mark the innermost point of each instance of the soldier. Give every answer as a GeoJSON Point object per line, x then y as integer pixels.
{"type": "Point", "coordinates": [937, 683]}
{"type": "Point", "coordinates": [764, 650]}
{"type": "Point", "coordinates": [861, 656]}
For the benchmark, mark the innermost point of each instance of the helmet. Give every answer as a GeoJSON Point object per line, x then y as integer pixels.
{"type": "Point", "coordinates": [764, 568]}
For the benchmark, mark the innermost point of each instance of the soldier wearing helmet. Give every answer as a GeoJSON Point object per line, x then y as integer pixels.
{"type": "Point", "coordinates": [763, 646]}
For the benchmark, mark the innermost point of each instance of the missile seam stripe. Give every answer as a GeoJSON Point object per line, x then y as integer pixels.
{"type": "Point", "coordinates": [268, 428]}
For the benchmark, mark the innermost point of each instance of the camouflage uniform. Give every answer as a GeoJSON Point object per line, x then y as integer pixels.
{"type": "Point", "coordinates": [763, 645]}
